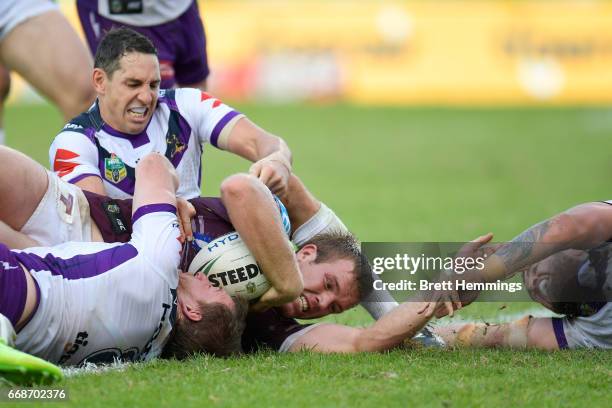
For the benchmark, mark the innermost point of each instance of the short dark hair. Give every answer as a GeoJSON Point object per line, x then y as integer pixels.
{"type": "Point", "coordinates": [343, 245]}
{"type": "Point", "coordinates": [219, 332]}
{"type": "Point", "coordinates": [117, 43]}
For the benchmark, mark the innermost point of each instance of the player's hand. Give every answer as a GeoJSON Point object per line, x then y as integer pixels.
{"type": "Point", "coordinates": [186, 212]}
{"type": "Point", "coordinates": [274, 172]}
{"type": "Point", "coordinates": [441, 303]}
{"type": "Point", "coordinates": [271, 298]}
{"type": "Point", "coordinates": [476, 247]}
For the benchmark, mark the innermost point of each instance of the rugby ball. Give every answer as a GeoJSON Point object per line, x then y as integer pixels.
{"type": "Point", "coordinates": [228, 263]}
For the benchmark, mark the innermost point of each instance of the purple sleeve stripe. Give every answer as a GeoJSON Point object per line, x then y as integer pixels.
{"type": "Point", "coordinates": [559, 333]}
{"type": "Point", "coordinates": [219, 127]}
{"type": "Point", "coordinates": [82, 176]}
{"type": "Point", "coordinates": [13, 286]}
{"type": "Point", "coordinates": [151, 208]}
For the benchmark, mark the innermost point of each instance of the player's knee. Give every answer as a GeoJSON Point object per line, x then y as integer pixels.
{"type": "Point", "coordinates": [238, 186]}
{"type": "Point", "coordinates": [155, 165]}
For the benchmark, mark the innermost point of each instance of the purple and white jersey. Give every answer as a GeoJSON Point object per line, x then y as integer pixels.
{"type": "Point", "coordinates": [183, 122]}
{"type": "Point", "coordinates": [99, 302]}
{"type": "Point", "coordinates": [141, 13]}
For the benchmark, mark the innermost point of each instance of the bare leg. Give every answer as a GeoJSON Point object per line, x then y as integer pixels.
{"type": "Point", "coordinates": [15, 239]}
{"type": "Point", "coordinates": [48, 53]}
{"type": "Point", "coordinates": [23, 183]}
{"type": "Point", "coordinates": [5, 87]}
{"type": "Point", "coordinates": [527, 332]}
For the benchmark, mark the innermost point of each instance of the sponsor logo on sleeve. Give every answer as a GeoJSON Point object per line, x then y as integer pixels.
{"type": "Point", "coordinates": [62, 164]}
{"type": "Point", "coordinates": [205, 96]}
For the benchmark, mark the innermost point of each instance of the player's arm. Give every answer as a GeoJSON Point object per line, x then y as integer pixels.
{"type": "Point", "coordinates": [582, 227]}
{"type": "Point", "coordinates": [156, 182]}
{"type": "Point", "coordinates": [301, 205]}
{"type": "Point", "coordinates": [155, 227]}
{"type": "Point", "coordinates": [391, 330]}
{"type": "Point", "coordinates": [227, 129]}
{"type": "Point", "coordinates": [255, 216]}
{"type": "Point", "coordinates": [270, 154]}
{"type": "Point", "coordinates": [91, 183]}
{"type": "Point", "coordinates": [74, 158]}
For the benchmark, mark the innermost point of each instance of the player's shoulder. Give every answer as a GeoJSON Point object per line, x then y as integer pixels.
{"type": "Point", "coordinates": [87, 124]}
{"type": "Point", "coordinates": [179, 97]}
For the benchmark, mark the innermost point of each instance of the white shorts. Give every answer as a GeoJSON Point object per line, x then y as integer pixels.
{"type": "Point", "coordinates": [15, 12]}
{"type": "Point", "coordinates": [61, 216]}
{"type": "Point", "coordinates": [585, 332]}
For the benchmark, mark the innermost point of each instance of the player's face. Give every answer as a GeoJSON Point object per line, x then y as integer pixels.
{"type": "Point", "coordinates": [329, 287]}
{"type": "Point", "coordinates": [128, 98]}
{"type": "Point", "coordinates": [543, 279]}
{"type": "Point", "coordinates": [202, 291]}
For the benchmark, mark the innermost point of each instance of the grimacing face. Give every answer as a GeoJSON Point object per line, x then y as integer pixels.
{"type": "Point", "coordinates": [128, 97]}
{"type": "Point", "coordinates": [329, 287]}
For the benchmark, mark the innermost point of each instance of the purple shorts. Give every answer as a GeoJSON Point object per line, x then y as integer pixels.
{"type": "Point", "coordinates": [13, 286]}
{"type": "Point", "coordinates": [180, 43]}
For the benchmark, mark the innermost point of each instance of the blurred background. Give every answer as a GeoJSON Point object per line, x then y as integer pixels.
{"type": "Point", "coordinates": [416, 121]}
{"type": "Point", "coordinates": [438, 52]}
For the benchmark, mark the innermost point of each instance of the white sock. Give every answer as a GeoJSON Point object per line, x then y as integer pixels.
{"type": "Point", "coordinates": [2, 136]}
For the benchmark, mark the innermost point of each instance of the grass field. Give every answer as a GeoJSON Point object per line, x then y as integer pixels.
{"type": "Point", "coordinates": [394, 174]}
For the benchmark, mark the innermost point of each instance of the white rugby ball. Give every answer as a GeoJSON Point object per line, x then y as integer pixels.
{"type": "Point", "coordinates": [228, 263]}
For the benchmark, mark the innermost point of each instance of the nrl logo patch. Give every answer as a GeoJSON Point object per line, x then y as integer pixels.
{"type": "Point", "coordinates": [114, 169]}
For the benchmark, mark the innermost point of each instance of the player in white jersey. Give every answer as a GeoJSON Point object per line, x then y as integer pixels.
{"type": "Point", "coordinates": [97, 302]}
{"type": "Point", "coordinates": [568, 270]}
{"type": "Point", "coordinates": [99, 149]}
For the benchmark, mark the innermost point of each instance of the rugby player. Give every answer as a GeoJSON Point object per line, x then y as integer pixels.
{"type": "Point", "coordinates": [97, 302]}
{"type": "Point", "coordinates": [51, 211]}
{"type": "Point", "coordinates": [566, 262]}
{"type": "Point", "coordinates": [334, 272]}
{"type": "Point", "coordinates": [174, 27]}
{"type": "Point", "coordinates": [131, 117]}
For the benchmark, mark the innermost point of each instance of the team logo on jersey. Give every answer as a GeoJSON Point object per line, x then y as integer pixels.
{"type": "Point", "coordinates": [114, 169]}
{"type": "Point", "coordinates": [175, 145]}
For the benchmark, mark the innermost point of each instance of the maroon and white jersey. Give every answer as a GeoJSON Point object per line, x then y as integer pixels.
{"type": "Point", "coordinates": [112, 216]}
{"type": "Point", "coordinates": [183, 122]}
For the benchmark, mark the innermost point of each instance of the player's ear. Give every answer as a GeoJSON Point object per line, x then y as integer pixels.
{"type": "Point", "coordinates": [308, 253]}
{"type": "Point", "coordinates": [191, 311]}
{"type": "Point", "coordinates": [99, 78]}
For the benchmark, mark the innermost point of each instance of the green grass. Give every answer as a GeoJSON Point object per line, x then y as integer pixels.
{"type": "Point", "coordinates": [395, 174]}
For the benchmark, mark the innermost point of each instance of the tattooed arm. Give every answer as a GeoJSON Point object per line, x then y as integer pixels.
{"type": "Point", "coordinates": [582, 227]}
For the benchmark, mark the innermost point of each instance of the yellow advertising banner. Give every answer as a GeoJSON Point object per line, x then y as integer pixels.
{"type": "Point", "coordinates": [409, 52]}
{"type": "Point", "coordinates": [400, 52]}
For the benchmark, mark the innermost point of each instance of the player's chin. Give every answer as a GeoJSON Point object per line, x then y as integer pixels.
{"type": "Point", "coordinates": [291, 309]}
